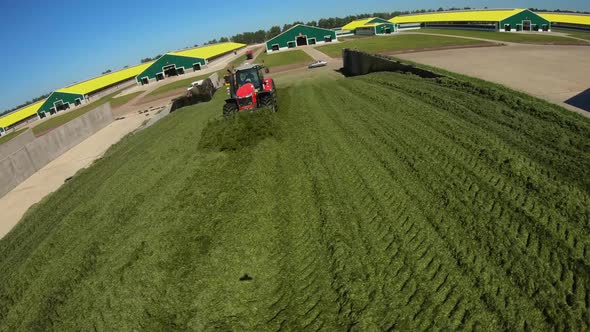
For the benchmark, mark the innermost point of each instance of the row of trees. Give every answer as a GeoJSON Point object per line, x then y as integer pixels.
{"type": "Point", "coordinates": [215, 41]}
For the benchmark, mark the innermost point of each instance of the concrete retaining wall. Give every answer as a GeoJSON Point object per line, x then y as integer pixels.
{"type": "Point", "coordinates": [16, 143]}
{"type": "Point", "coordinates": [34, 155]}
{"type": "Point", "coordinates": [361, 63]}
{"type": "Point", "coordinates": [23, 165]}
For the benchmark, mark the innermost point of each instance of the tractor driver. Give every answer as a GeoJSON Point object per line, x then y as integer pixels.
{"type": "Point", "coordinates": [249, 77]}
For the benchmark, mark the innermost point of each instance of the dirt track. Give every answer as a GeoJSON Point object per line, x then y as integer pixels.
{"type": "Point", "coordinates": [554, 73]}
{"type": "Point", "coordinates": [452, 47]}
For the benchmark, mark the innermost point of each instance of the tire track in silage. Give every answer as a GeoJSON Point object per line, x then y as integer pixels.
{"type": "Point", "coordinates": [347, 269]}
{"type": "Point", "coordinates": [469, 114]}
{"type": "Point", "coordinates": [480, 207]}
{"type": "Point", "coordinates": [417, 148]}
{"type": "Point", "coordinates": [380, 220]}
{"type": "Point", "coordinates": [523, 237]}
{"type": "Point", "coordinates": [372, 229]}
{"type": "Point", "coordinates": [356, 139]}
{"type": "Point", "coordinates": [306, 300]}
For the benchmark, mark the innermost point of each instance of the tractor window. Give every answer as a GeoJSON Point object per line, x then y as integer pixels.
{"type": "Point", "coordinates": [248, 76]}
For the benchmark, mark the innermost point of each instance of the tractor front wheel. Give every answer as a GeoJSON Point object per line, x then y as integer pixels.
{"type": "Point", "coordinates": [268, 102]}
{"type": "Point", "coordinates": [229, 110]}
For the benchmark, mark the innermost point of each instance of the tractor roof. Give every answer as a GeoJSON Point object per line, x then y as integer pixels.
{"type": "Point", "coordinates": [247, 66]}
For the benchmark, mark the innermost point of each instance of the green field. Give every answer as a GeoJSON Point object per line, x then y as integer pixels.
{"type": "Point", "coordinates": [394, 43]}
{"type": "Point", "coordinates": [283, 58]}
{"type": "Point", "coordinates": [8, 137]}
{"type": "Point", "coordinates": [120, 101]}
{"type": "Point", "coordinates": [353, 37]}
{"type": "Point", "coordinates": [382, 202]}
{"type": "Point", "coordinates": [577, 34]}
{"type": "Point", "coordinates": [531, 38]}
{"type": "Point", "coordinates": [64, 118]}
{"type": "Point", "coordinates": [184, 83]}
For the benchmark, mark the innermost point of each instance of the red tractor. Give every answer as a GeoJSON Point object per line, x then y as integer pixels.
{"type": "Point", "coordinates": [249, 90]}
{"type": "Point", "coordinates": [249, 55]}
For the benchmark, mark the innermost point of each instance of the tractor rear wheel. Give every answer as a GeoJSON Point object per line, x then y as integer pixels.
{"type": "Point", "coordinates": [268, 102]}
{"type": "Point", "coordinates": [229, 110]}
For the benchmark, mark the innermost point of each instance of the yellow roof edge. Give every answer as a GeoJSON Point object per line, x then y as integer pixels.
{"type": "Point", "coordinates": [99, 76]}
{"type": "Point", "coordinates": [66, 89]}
{"type": "Point", "coordinates": [8, 120]}
{"type": "Point", "coordinates": [179, 52]}
{"type": "Point", "coordinates": [513, 11]}
{"type": "Point", "coordinates": [562, 13]}
{"type": "Point", "coordinates": [375, 24]}
{"type": "Point", "coordinates": [464, 11]}
{"type": "Point", "coordinates": [29, 105]}
{"type": "Point", "coordinates": [357, 23]}
{"type": "Point", "coordinates": [363, 19]}
{"type": "Point", "coordinates": [73, 87]}
{"type": "Point", "coordinates": [568, 18]}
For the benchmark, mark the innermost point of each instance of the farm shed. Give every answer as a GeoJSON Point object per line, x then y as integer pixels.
{"type": "Point", "coordinates": [370, 26]}
{"type": "Point", "coordinates": [15, 118]}
{"type": "Point", "coordinates": [81, 93]}
{"type": "Point", "coordinates": [180, 62]}
{"type": "Point", "coordinates": [60, 101]}
{"type": "Point", "coordinates": [568, 21]}
{"type": "Point", "coordinates": [300, 35]}
{"type": "Point", "coordinates": [492, 20]}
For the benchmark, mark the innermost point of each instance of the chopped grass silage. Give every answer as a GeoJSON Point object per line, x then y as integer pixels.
{"type": "Point", "coordinates": [243, 130]}
{"type": "Point", "coordinates": [389, 202]}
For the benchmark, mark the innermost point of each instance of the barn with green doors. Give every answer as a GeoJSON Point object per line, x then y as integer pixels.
{"type": "Point", "coordinates": [300, 35]}
{"type": "Point", "coordinates": [524, 20]}
{"type": "Point", "coordinates": [180, 62]}
{"type": "Point", "coordinates": [503, 20]}
{"type": "Point", "coordinates": [370, 26]}
{"type": "Point", "coordinates": [170, 65]}
{"type": "Point", "coordinates": [86, 91]}
{"type": "Point", "coordinates": [60, 101]}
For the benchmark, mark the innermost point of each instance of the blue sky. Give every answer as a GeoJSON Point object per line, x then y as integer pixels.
{"type": "Point", "coordinates": [47, 45]}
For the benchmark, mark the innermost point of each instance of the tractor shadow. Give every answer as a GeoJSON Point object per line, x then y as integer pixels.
{"type": "Point", "coordinates": [581, 101]}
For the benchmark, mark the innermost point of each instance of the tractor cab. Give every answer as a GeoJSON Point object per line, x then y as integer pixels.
{"type": "Point", "coordinates": [246, 74]}
{"type": "Point", "coordinates": [248, 90]}
{"type": "Point", "coordinates": [251, 75]}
